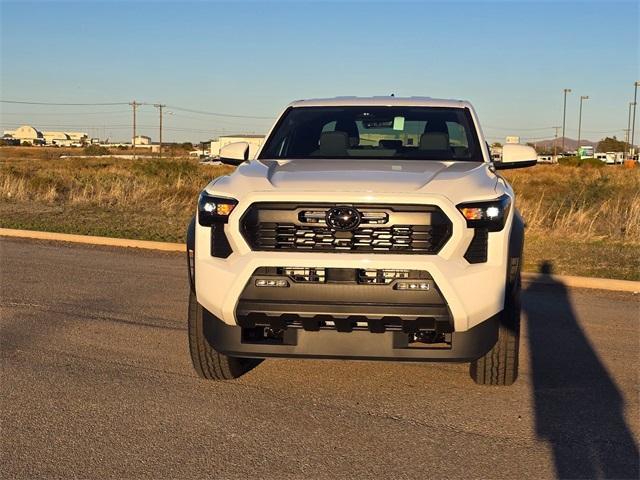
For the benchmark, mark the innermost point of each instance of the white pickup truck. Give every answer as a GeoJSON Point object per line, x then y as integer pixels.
{"type": "Point", "coordinates": [365, 228]}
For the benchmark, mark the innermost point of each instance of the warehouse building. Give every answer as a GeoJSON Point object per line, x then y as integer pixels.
{"type": "Point", "coordinates": [33, 136]}
{"type": "Point", "coordinates": [141, 140]}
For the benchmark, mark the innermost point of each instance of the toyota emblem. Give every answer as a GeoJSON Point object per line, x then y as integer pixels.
{"type": "Point", "coordinates": [343, 219]}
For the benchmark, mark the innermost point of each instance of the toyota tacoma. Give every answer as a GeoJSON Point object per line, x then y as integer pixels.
{"type": "Point", "coordinates": [363, 228]}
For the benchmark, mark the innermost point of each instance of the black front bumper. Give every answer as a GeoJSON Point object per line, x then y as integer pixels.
{"type": "Point", "coordinates": [357, 344]}
{"type": "Point", "coordinates": [347, 313]}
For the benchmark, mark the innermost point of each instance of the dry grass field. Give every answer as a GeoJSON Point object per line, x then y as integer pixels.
{"type": "Point", "coordinates": [142, 199]}
{"type": "Point", "coordinates": [585, 220]}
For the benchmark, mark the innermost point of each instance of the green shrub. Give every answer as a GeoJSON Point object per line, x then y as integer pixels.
{"type": "Point", "coordinates": [581, 162]}
{"type": "Point", "coordinates": [96, 150]}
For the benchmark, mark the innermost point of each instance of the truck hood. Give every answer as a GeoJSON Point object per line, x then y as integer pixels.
{"type": "Point", "coordinates": [325, 175]}
{"type": "Point", "coordinates": [365, 175]}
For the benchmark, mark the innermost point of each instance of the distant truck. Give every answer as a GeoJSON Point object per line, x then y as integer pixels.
{"type": "Point", "coordinates": [547, 159]}
{"type": "Point", "coordinates": [610, 158]}
{"type": "Point", "coordinates": [585, 151]}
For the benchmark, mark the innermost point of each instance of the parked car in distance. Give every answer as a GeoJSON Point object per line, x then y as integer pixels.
{"type": "Point", "coordinates": [610, 158]}
{"type": "Point", "coordinates": [547, 159]}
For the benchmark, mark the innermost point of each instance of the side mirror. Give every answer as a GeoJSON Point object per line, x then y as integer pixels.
{"type": "Point", "coordinates": [234, 153]}
{"type": "Point", "coordinates": [516, 156]}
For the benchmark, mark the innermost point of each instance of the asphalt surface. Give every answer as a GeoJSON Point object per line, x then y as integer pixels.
{"type": "Point", "coordinates": [96, 382]}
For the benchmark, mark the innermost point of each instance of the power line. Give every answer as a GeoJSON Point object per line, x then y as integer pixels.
{"type": "Point", "coordinates": [515, 129]}
{"type": "Point", "coordinates": [114, 112]}
{"type": "Point", "coordinates": [217, 114]}
{"type": "Point", "coordinates": [604, 131]}
{"type": "Point", "coordinates": [201, 119]}
{"type": "Point", "coordinates": [123, 113]}
{"type": "Point", "coordinates": [107, 125]}
{"type": "Point", "coordinates": [174, 107]}
{"type": "Point", "coordinates": [61, 104]}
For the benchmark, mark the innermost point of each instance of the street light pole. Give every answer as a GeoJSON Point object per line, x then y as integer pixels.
{"type": "Point", "coordinates": [564, 116]}
{"type": "Point", "coordinates": [582, 97]}
{"type": "Point", "coordinates": [633, 122]}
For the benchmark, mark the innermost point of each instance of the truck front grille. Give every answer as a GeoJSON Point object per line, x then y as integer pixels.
{"type": "Point", "coordinates": [362, 276]}
{"type": "Point", "coordinates": [303, 274]}
{"type": "Point", "coordinates": [381, 276]}
{"type": "Point", "coordinates": [421, 229]}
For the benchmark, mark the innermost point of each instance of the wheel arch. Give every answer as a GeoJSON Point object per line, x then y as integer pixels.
{"type": "Point", "coordinates": [191, 248]}
{"type": "Point", "coordinates": [516, 246]}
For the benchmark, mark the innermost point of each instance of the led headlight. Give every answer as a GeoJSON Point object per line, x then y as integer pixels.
{"type": "Point", "coordinates": [490, 215]}
{"type": "Point", "coordinates": [214, 209]}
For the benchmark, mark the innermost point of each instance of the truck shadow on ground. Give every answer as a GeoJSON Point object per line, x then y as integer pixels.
{"type": "Point", "coordinates": [578, 407]}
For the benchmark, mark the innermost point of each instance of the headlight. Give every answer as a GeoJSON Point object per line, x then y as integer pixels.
{"type": "Point", "coordinates": [490, 215]}
{"type": "Point", "coordinates": [214, 209]}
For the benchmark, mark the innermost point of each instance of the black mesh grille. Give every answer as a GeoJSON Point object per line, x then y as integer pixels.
{"type": "Point", "coordinates": [477, 251]}
{"type": "Point", "coordinates": [407, 229]}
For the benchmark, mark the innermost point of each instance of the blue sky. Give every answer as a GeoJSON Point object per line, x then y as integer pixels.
{"type": "Point", "coordinates": [511, 59]}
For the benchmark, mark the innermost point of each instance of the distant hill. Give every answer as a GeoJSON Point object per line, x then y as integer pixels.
{"type": "Point", "coordinates": [569, 143]}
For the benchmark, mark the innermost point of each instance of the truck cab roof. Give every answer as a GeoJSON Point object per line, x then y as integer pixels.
{"type": "Point", "coordinates": [381, 101]}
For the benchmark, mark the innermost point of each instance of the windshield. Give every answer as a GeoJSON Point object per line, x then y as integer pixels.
{"type": "Point", "coordinates": [406, 133]}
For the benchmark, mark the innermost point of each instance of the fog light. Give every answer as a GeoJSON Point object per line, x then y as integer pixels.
{"type": "Point", "coordinates": [412, 286]}
{"type": "Point", "coordinates": [263, 282]}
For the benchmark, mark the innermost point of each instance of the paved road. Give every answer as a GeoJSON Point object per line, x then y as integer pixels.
{"type": "Point", "coordinates": [96, 383]}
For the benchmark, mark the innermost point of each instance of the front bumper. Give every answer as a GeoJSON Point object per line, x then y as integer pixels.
{"type": "Point", "coordinates": [472, 292]}
{"type": "Point", "coordinates": [358, 344]}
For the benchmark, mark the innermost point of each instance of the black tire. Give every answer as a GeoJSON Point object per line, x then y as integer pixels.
{"type": "Point", "coordinates": [500, 365]}
{"type": "Point", "coordinates": [208, 362]}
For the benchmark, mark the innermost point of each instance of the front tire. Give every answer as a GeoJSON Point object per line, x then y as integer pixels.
{"type": "Point", "coordinates": [500, 365]}
{"type": "Point", "coordinates": [207, 361]}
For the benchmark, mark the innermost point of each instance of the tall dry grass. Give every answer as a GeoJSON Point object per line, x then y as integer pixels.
{"type": "Point", "coordinates": [164, 185]}
{"type": "Point", "coordinates": [555, 200]}
{"type": "Point", "coordinates": [580, 203]}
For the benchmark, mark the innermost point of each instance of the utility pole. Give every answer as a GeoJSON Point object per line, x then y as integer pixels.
{"type": "Point", "coordinates": [160, 106]}
{"type": "Point", "coordinates": [555, 142]}
{"type": "Point", "coordinates": [134, 106]}
{"type": "Point", "coordinates": [633, 122]}
{"type": "Point", "coordinates": [564, 116]}
{"type": "Point", "coordinates": [582, 97]}
{"type": "Point", "coordinates": [627, 138]}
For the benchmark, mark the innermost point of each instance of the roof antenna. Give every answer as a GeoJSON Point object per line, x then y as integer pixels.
{"type": "Point", "coordinates": [393, 95]}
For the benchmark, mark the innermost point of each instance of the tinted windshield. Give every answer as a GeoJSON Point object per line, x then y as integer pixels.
{"type": "Point", "coordinates": [409, 133]}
